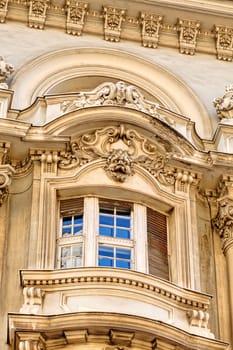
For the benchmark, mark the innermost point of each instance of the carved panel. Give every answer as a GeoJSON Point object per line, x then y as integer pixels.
{"type": "Point", "coordinates": [151, 24]}
{"type": "Point", "coordinates": [113, 18]}
{"type": "Point", "coordinates": [188, 32]}
{"type": "Point", "coordinates": [224, 43]}
{"type": "Point", "coordinates": [6, 69]}
{"type": "Point", "coordinates": [6, 171]}
{"type": "Point", "coordinates": [224, 105]}
{"type": "Point", "coordinates": [3, 10]}
{"type": "Point", "coordinates": [76, 12]}
{"type": "Point", "coordinates": [37, 13]}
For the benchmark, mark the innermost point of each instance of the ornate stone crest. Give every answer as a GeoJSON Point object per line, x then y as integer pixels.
{"type": "Point", "coordinates": [224, 105]}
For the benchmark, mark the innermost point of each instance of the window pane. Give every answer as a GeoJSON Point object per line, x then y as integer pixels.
{"type": "Point", "coordinates": [78, 219]}
{"type": "Point", "coordinates": [106, 262]}
{"type": "Point", "coordinates": [122, 253]}
{"type": "Point", "coordinates": [106, 231]}
{"type": "Point", "coordinates": [106, 220]}
{"type": "Point", "coordinates": [66, 263]}
{"type": "Point", "coordinates": [77, 250]}
{"type": "Point", "coordinates": [106, 251]}
{"type": "Point", "coordinates": [122, 233]}
{"type": "Point", "coordinates": [65, 251]}
{"type": "Point", "coordinates": [107, 211]}
{"type": "Point", "coordinates": [66, 231]}
{"type": "Point", "coordinates": [67, 220]}
{"type": "Point", "coordinates": [78, 230]}
{"type": "Point", "coordinates": [77, 262]}
{"type": "Point", "coordinates": [123, 264]}
{"type": "Point", "coordinates": [123, 222]}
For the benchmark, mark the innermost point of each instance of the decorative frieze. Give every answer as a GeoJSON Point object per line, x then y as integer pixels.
{"type": "Point", "coordinates": [3, 10]}
{"type": "Point", "coordinates": [37, 13]}
{"type": "Point", "coordinates": [33, 299]}
{"type": "Point", "coordinates": [76, 13]}
{"type": "Point", "coordinates": [113, 18]}
{"type": "Point", "coordinates": [224, 105]}
{"type": "Point", "coordinates": [188, 32]}
{"type": "Point", "coordinates": [224, 43]}
{"type": "Point", "coordinates": [6, 69]}
{"type": "Point", "coordinates": [151, 24]}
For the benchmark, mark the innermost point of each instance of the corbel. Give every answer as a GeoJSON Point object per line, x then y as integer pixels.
{"type": "Point", "coordinates": [224, 42]}
{"type": "Point", "coordinates": [33, 299]}
{"type": "Point", "coordinates": [37, 13]}
{"type": "Point", "coordinates": [121, 338]}
{"type": "Point", "coordinates": [76, 13]}
{"type": "Point", "coordinates": [3, 10]}
{"type": "Point", "coordinates": [48, 159]}
{"type": "Point", "coordinates": [198, 318]}
{"type": "Point", "coordinates": [188, 31]}
{"type": "Point", "coordinates": [29, 341]}
{"type": "Point", "coordinates": [151, 24]}
{"type": "Point", "coordinates": [113, 18]}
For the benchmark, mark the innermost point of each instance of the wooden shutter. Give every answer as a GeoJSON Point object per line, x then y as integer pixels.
{"type": "Point", "coordinates": [72, 206]}
{"type": "Point", "coordinates": [157, 243]}
{"type": "Point", "coordinates": [111, 204]}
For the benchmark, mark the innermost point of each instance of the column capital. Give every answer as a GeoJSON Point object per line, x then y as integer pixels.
{"type": "Point", "coordinates": [30, 341]}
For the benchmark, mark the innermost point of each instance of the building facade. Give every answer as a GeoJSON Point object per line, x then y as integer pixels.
{"type": "Point", "coordinates": [116, 176]}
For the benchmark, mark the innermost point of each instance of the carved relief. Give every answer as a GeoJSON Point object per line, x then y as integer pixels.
{"type": "Point", "coordinates": [6, 69]}
{"type": "Point", "coordinates": [113, 18]}
{"type": "Point", "coordinates": [224, 43]}
{"type": "Point", "coordinates": [76, 12]}
{"type": "Point", "coordinates": [6, 171]}
{"type": "Point", "coordinates": [37, 13]}
{"type": "Point", "coordinates": [151, 24]}
{"type": "Point", "coordinates": [188, 32]}
{"type": "Point", "coordinates": [49, 160]}
{"type": "Point", "coordinates": [33, 298]}
{"type": "Point", "coordinates": [224, 219]}
{"type": "Point", "coordinates": [119, 94]}
{"type": "Point", "coordinates": [3, 10]}
{"type": "Point", "coordinates": [198, 318]}
{"type": "Point", "coordinates": [224, 105]}
{"type": "Point", "coordinates": [121, 149]}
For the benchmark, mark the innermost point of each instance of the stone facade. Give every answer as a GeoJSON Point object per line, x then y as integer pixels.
{"type": "Point", "coordinates": [120, 109]}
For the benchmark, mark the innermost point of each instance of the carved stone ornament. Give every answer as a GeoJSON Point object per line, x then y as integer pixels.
{"type": "Point", "coordinates": [188, 32]}
{"type": "Point", "coordinates": [198, 318]}
{"type": "Point", "coordinates": [3, 10]}
{"type": "Point", "coordinates": [6, 171]}
{"type": "Point", "coordinates": [224, 219]}
{"type": "Point", "coordinates": [37, 13]}
{"type": "Point", "coordinates": [30, 341]}
{"type": "Point", "coordinates": [113, 18]}
{"type": "Point", "coordinates": [76, 12]}
{"type": "Point", "coordinates": [224, 43]}
{"type": "Point", "coordinates": [33, 298]}
{"type": "Point", "coordinates": [121, 149]}
{"type": "Point", "coordinates": [150, 29]}
{"type": "Point", "coordinates": [224, 105]}
{"type": "Point", "coordinates": [112, 94]}
{"type": "Point", "coordinates": [6, 69]}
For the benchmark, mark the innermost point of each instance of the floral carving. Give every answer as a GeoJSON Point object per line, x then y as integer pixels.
{"type": "Point", "coordinates": [119, 165]}
{"type": "Point", "coordinates": [150, 29]}
{"type": "Point", "coordinates": [188, 31]}
{"type": "Point", "coordinates": [120, 94]}
{"type": "Point", "coordinates": [224, 219]}
{"type": "Point", "coordinates": [76, 12]}
{"type": "Point", "coordinates": [224, 43]}
{"type": "Point", "coordinates": [37, 13]}
{"type": "Point", "coordinates": [6, 69]}
{"type": "Point", "coordinates": [113, 18]}
{"type": "Point", "coordinates": [224, 105]}
{"type": "Point", "coordinates": [3, 10]}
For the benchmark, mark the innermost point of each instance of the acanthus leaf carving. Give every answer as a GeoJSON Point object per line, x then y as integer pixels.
{"type": "Point", "coordinates": [76, 13]}
{"type": "Point", "coordinates": [224, 42]}
{"type": "Point", "coordinates": [6, 69]}
{"type": "Point", "coordinates": [188, 31]}
{"type": "Point", "coordinates": [112, 94]}
{"type": "Point", "coordinates": [3, 10]}
{"type": "Point", "coordinates": [224, 105]}
{"type": "Point", "coordinates": [37, 13]}
{"type": "Point", "coordinates": [113, 18]}
{"type": "Point", "coordinates": [151, 24]}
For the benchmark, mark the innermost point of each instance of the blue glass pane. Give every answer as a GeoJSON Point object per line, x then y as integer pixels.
{"type": "Point", "coordinates": [106, 251]}
{"type": "Point", "coordinates": [78, 230]}
{"type": "Point", "coordinates": [106, 231]}
{"type": "Point", "coordinates": [122, 253]}
{"type": "Point", "coordinates": [122, 233]}
{"type": "Point", "coordinates": [67, 220]}
{"type": "Point", "coordinates": [66, 231]}
{"type": "Point", "coordinates": [106, 220]}
{"type": "Point", "coordinates": [123, 222]}
{"type": "Point", "coordinates": [123, 264]}
{"type": "Point", "coordinates": [78, 219]}
{"type": "Point", "coordinates": [106, 262]}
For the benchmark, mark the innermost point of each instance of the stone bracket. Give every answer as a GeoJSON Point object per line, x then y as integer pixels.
{"type": "Point", "coordinates": [113, 18]}
{"type": "Point", "coordinates": [37, 13]}
{"type": "Point", "coordinates": [3, 10]}
{"type": "Point", "coordinates": [188, 31]}
{"type": "Point", "coordinates": [224, 43]}
{"type": "Point", "coordinates": [151, 24]}
{"type": "Point", "coordinates": [76, 13]}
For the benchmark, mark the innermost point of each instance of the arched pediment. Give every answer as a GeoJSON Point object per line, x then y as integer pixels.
{"type": "Point", "coordinates": [65, 72]}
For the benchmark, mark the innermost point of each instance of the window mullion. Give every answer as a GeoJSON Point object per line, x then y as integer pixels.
{"type": "Point", "coordinates": [140, 238]}
{"type": "Point", "coordinates": [90, 229]}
